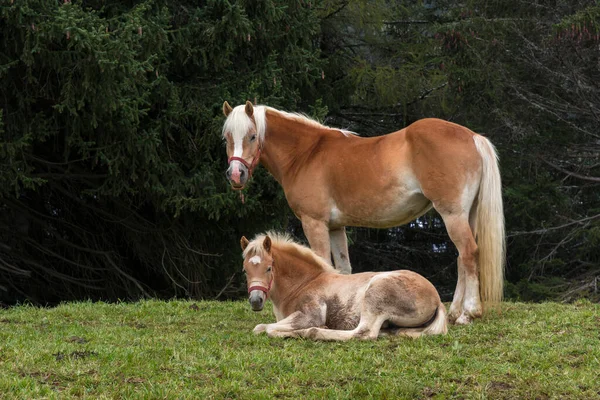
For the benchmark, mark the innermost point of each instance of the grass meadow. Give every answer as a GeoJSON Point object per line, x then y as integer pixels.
{"type": "Point", "coordinates": [205, 349]}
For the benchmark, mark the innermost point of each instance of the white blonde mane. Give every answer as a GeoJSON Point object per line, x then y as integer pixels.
{"type": "Point", "coordinates": [238, 123]}
{"type": "Point", "coordinates": [283, 241]}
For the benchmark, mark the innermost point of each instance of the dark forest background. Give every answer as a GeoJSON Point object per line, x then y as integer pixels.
{"type": "Point", "coordinates": [112, 180]}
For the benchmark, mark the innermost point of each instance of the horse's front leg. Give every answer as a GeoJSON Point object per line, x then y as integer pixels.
{"type": "Point", "coordinates": [289, 326]}
{"type": "Point", "coordinates": [339, 250]}
{"type": "Point", "coordinates": [317, 233]}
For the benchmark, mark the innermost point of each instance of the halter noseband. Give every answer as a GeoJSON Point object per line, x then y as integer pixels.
{"type": "Point", "coordinates": [250, 166]}
{"type": "Point", "coordinates": [263, 289]}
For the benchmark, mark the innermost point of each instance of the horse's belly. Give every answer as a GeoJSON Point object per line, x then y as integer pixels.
{"type": "Point", "coordinates": [382, 212]}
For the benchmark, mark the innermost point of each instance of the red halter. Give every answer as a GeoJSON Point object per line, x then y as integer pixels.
{"type": "Point", "coordinates": [263, 289]}
{"type": "Point", "coordinates": [250, 166]}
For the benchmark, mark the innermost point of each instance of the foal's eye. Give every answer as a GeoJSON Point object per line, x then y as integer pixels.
{"type": "Point", "coordinates": [252, 138]}
{"type": "Point", "coordinates": [269, 269]}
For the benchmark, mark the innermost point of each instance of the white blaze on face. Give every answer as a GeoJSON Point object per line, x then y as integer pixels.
{"type": "Point", "coordinates": [238, 146]}
{"type": "Point", "coordinates": [238, 124]}
{"type": "Point", "coordinates": [255, 260]}
{"type": "Point", "coordinates": [238, 151]}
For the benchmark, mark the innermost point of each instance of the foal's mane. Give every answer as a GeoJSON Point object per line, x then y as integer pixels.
{"type": "Point", "coordinates": [238, 121]}
{"type": "Point", "coordinates": [283, 242]}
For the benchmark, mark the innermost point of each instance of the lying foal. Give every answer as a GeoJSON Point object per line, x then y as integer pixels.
{"type": "Point", "coordinates": [312, 300]}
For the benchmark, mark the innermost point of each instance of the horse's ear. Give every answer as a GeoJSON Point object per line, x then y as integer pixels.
{"type": "Point", "coordinates": [249, 109]}
{"type": "Point", "coordinates": [267, 244]}
{"type": "Point", "coordinates": [244, 243]}
{"type": "Point", "coordinates": [227, 108]}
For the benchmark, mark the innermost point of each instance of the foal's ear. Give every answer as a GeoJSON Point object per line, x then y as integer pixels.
{"type": "Point", "coordinates": [249, 109]}
{"type": "Point", "coordinates": [227, 108]}
{"type": "Point", "coordinates": [244, 243]}
{"type": "Point", "coordinates": [267, 244]}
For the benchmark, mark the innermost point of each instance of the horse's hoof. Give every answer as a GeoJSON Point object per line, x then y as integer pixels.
{"type": "Point", "coordinates": [464, 319]}
{"type": "Point", "coordinates": [452, 317]}
{"type": "Point", "coordinates": [259, 329]}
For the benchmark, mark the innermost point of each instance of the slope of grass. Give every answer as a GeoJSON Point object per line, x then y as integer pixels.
{"type": "Point", "coordinates": [183, 349]}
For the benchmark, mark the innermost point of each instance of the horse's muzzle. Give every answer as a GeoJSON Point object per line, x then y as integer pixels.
{"type": "Point", "coordinates": [237, 175]}
{"type": "Point", "coordinates": [257, 300]}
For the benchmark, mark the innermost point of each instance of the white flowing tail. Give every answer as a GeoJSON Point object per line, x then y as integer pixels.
{"type": "Point", "coordinates": [489, 226]}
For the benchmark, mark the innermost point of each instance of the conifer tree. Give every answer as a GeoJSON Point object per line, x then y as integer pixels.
{"type": "Point", "coordinates": [112, 160]}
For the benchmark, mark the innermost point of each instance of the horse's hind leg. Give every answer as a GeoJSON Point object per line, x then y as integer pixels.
{"type": "Point", "coordinates": [459, 294]}
{"type": "Point", "coordinates": [466, 304]}
{"type": "Point", "coordinates": [339, 250]}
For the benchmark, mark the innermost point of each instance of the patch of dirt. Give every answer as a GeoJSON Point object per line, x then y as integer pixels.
{"type": "Point", "coordinates": [75, 355]}
{"type": "Point", "coordinates": [194, 307]}
{"type": "Point", "coordinates": [467, 382]}
{"type": "Point", "coordinates": [76, 339]}
{"type": "Point", "coordinates": [10, 321]}
{"type": "Point", "coordinates": [429, 392]}
{"type": "Point", "coordinates": [498, 385]}
{"type": "Point", "coordinates": [47, 378]}
{"type": "Point", "coordinates": [346, 380]}
{"type": "Point", "coordinates": [135, 380]}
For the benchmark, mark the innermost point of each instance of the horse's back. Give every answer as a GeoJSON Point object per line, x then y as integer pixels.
{"type": "Point", "coordinates": [444, 158]}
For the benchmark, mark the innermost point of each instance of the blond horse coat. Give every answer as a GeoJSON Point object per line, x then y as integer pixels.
{"type": "Point", "coordinates": [308, 295]}
{"type": "Point", "coordinates": [333, 179]}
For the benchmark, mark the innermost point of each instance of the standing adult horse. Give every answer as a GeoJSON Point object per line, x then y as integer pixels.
{"type": "Point", "coordinates": [333, 178]}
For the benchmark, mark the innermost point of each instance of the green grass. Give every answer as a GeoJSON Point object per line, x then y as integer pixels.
{"type": "Point", "coordinates": [183, 349]}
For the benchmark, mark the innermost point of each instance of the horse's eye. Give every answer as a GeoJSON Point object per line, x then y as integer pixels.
{"type": "Point", "coordinates": [269, 269]}
{"type": "Point", "coordinates": [253, 138]}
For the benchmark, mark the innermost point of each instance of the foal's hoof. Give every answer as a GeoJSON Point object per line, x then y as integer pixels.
{"type": "Point", "coordinates": [464, 319]}
{"type": "Point", "coordinates": [260, 328]}
{"type": "Point", "coordinates": [312, 333]}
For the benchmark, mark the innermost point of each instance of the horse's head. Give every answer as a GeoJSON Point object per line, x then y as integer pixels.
{"type": "Point", "coordinates": [243, 143]}
{"type": "Point", "coordinates": [258, 267]}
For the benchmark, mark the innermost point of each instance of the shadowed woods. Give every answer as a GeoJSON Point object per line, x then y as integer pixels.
{"type": "Point", "coordinates": [113, 182]}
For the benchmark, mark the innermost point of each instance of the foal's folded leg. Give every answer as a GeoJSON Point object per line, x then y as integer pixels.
{"type": "Point", "coordinates": [368, 329]}
{"type": "Point", "coordinates": [288, 326]}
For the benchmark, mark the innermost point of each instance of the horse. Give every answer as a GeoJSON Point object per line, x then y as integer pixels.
{"type": "Point", "coordinates": [333, 178]}
{"type": "Point", "coordinates": [313, 300]}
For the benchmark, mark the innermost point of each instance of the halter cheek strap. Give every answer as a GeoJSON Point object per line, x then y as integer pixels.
{"type": "Point", "coordinates": [263, 289]}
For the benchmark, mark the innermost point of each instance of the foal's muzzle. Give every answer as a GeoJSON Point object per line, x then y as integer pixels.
{"type": "Point", "coordinates": [237, 174]}
{"type": "Point", "coordinates": [257, 300]}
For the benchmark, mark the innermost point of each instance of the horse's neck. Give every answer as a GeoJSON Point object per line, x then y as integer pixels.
{"type": "Point", "coordinates": [287, 143]}
{"type": "Point", "coordinates": [291, 274]}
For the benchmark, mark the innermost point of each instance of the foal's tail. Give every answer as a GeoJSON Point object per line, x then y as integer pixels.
{"type": "Point", "coordinates": [489, 225]}
{"type": "Point", "coordinates": [438, 325]}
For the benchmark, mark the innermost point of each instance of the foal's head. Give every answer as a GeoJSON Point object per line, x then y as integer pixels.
{"type": "Point", "coordinates": [258, 267]}
{"type": "Point", "coordinates": [242, 131]}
